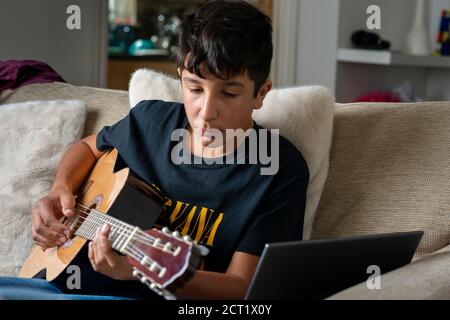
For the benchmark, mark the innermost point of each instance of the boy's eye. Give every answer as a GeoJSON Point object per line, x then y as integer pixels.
{"type": "Point", "coordinates": [230, 95]}
{"type": "Point", "coordinates": [196, 90]}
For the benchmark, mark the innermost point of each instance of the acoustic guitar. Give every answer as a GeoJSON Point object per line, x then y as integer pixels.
{"type": "Point", "coordinates": [161, 259]}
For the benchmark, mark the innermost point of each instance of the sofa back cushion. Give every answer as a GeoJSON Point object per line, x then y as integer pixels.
{"type": "Point", "coordinates": [34, 136]}
{"type": "Point", "coordinates": [104, 106]}
{"type": "Point", "coordinates": [389, 171]}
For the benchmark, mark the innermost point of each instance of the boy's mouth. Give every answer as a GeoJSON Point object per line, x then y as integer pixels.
{"type": "Point", "coordinates": [206, 132]}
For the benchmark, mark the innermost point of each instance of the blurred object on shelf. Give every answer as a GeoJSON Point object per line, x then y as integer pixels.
{"type": "Point", "coordinates": [143, 47]}
{"type": "Point", "coordinates": [120, 38]}
{"type": "Point", "coordinates": [120, 70]}
{"type": "Point", "coordinates": [123, 12]}
{"type": "Point", "coordinates": [403, 92]}
{"type": "Point", "coordinates": [443, 35]}
{"type": "Point", "coordinates": [368, 40]}
{"type": "Point", "coordinates": [378, 96]}
{"type": "Point", "coordinates": [140, 28]}
{"type": "Point", "coordinates": [418, 40]}
{"type": "Point", "coordinates": [167, 32]}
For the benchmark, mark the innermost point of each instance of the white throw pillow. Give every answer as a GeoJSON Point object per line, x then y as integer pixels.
{"type": "Point", "coordinates": [34, 136]}
{"type": "Point", "coordinates": [304, 116]}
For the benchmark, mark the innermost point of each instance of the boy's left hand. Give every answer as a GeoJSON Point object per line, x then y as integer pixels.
{"type": "Point", "coordinates": [107, 261]}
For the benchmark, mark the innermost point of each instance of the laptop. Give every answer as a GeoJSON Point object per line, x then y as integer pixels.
{"type": "Point", "coordinates": [316, 269]}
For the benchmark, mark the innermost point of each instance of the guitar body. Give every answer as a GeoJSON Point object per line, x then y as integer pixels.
{"type": "Point", "coordinates": [118, 194]}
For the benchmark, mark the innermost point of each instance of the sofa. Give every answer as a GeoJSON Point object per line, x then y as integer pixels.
{"type": "Point", "coordinates": [384, 168]}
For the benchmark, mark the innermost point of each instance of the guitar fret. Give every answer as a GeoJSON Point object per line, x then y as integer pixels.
{"type": "Point", "coordinates": [113, 234]}
{"type": "Point", "coordinates": [121, 238]}
{"type": "Point", "coordinates": [115, 237]}
{"type": "Point", "coordinates": [129, 238]}
{"type": "Point", "coordinates": [85, 228]}
{"type": "Point", "coordinates": [120, 234]}
{"type": "Point", "coordinates": [96, 222]}
{"type": "Point", "coordinates": [82, 230]}
{"type": "Point", "coordinates": [90, 229]}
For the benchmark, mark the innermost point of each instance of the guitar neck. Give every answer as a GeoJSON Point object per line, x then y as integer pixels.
{"type": "Point", "coordinates": [87, 224]}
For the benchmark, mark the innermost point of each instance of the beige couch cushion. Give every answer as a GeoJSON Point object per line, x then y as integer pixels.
{"type": "Point", "coordinates": [389, 171]}
{"type": "Point", "coordinates": [426, 279]}
{"type": "Point", "coordinates": [34, 136]}
{"type": "Point", "coordinates": [104, 107]}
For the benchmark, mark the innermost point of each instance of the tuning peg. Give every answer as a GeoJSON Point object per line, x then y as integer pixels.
{"type": "Point", "coordinates": [144, 260]}
{"type": "Point", "coordinates": [176, 234]}
{"type": "Point", "coordinates": [156, 242]}
{"type": "Point", "coordinates": [139, 275]}
{"type": "Point", "coordinates": [144, 280]}
{"type": "Point", "coordinates": [136, 273]}
{"type": "Point", "coordinates": [153, 266]}
{"type": "Point", "coordinates": [165, 230]}
{"type": "Point", "coordinates": [160, 290]}
{"type": "Point", "coordinates": [203, 250]}
{"type": "Point", "coordinates": [177, 251]}
{"type": "Point", "coordinates": [162, 273]}
{"type": "Point", "coordinates": [167, 247]}
{"type": "Point", "coordinates": [168, 295]}
{"type": "Point", "coordinates": [187, 238]}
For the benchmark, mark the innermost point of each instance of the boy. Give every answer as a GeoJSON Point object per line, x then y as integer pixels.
{"type": "Point", "coordinates": [224, 59]}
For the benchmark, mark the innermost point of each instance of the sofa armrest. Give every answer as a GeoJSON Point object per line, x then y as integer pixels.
{"type": "Point", "coordinates": [428, 278]}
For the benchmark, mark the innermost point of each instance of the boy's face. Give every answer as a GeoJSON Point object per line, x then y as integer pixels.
{"type": "Point", "coordinates": [213, 103]}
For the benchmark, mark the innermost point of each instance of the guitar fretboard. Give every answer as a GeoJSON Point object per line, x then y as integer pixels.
{"type": "Point", "coordinates": [87, 223]}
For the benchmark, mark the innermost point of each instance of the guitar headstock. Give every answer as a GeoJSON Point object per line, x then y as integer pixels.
{"type": "Point", "coordinates": [166, 262]}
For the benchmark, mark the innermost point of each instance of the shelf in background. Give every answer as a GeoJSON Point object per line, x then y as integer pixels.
{"type": "Point", "coordinates": [120, 71]}
{"type": "Point", "coordinates": [389, 58]}
{"type": "Point", "coordinates": [140, 58]}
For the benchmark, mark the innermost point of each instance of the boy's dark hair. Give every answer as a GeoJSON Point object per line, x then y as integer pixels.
{"type": "Point", "coordinates": [231, 37]}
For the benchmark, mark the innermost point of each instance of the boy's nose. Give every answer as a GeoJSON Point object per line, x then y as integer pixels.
{"type": "Point", "coordinates": [209, 110]}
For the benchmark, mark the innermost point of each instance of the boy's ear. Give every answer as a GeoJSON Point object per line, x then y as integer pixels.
{"type": "Point", "coordinates": [263, 91]}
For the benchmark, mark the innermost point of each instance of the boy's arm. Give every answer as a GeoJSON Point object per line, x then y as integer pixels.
{"type": "Point", "coordinates": [76, 164]}
{"type": "Point", "coordinates": [231, 285]}
{"type": "Point", "coordinates": [47, 230]}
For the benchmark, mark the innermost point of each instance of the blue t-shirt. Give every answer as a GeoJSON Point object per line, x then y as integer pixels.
{"type": "Point", "coordinates": [226, 207]}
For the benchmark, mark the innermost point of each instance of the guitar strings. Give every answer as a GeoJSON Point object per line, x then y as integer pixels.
{"type": "Point", "coordinates": [106, 218]}
{"type": "Point", "coordinates": [109, 219]}
{"type": "Point", "coordinates": [121, 228]}
{"type": "Point", "coordinates": [133, 250]}
{"type": "Point", "coordinates": [91, 222]}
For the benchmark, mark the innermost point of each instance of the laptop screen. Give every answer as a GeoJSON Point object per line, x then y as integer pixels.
{"type": "Point", "coordinates": [316, 269]}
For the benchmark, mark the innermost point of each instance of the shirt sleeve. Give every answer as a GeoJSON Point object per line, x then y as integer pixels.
{"type": "Point", "coordinates": [280, 215]}
{"type": "Point", "coordinates": [118, 135]}
{"type": "Point", "coordinates": [147, 122]}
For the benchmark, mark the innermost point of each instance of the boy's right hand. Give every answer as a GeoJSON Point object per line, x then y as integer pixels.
{"type": "Point", "coordinates": [47, 230]}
